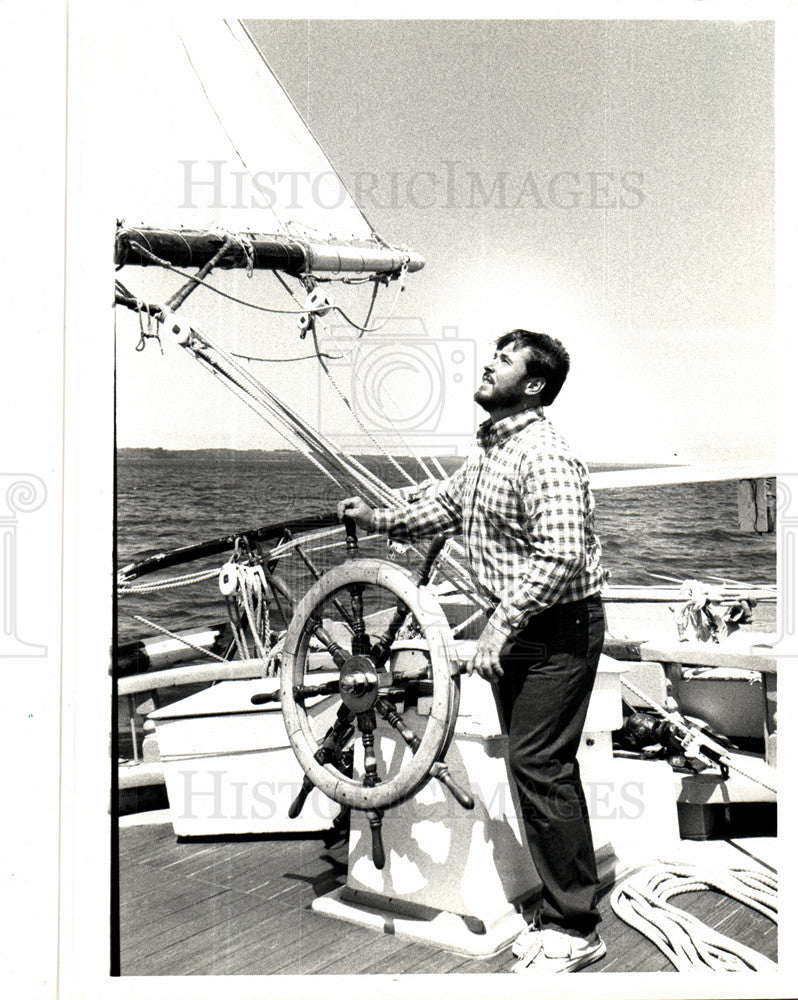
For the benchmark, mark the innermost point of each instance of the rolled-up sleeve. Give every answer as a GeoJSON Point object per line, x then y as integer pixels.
{"type": "Point", "coordinates": [553, 490]}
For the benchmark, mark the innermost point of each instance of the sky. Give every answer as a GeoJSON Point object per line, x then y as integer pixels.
{"type": "Point", "coordinates": [607, 182]}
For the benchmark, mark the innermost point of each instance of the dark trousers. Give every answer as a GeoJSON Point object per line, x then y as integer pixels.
{"type": "Point", "coordinates": [549, 669]}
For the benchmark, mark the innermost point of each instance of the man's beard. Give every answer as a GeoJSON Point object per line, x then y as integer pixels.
{"type": "Point", "coordinates": [499, 398]}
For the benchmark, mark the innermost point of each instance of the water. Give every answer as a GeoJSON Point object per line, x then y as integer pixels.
{"type": "Point", "coordinates": [169, 499]}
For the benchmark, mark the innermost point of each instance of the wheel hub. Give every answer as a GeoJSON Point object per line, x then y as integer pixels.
{"type": "Point", "coordinates": [359, 684]}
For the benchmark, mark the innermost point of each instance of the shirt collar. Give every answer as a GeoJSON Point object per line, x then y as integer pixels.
{"type": "Point", "coordinates": [490, 433]}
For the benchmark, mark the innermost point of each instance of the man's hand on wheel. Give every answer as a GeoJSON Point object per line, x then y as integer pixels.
{"type": "Point", "coordinates": [486, 655]}
{"type": "Point", "coordinates": [359, 511]}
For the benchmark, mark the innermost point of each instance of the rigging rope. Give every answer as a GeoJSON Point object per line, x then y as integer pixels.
{"type": "Point", "coordinates": [241, 393]}
{"type": "Point", "coordinates": [353, 413]}
{"type": "Point", "coordinates": [366, 479]}
{"type": "Point", "coordinates": [179, 638]}
{"type": "Point", "coordinates": [153, 258]}
{"type": "Point", "coordinates": [696, 736]}
{"type": "Point", "coordinates": [347, 355]}
{"type": "Point", "coordinates": [256, 605]}
{"type": "Point", "coordinates": [277, 361]}
{"type": "Point", "coordinates": [642, 902]}
{"type": "Point", "coordinates": [293, 429]}
{"type": "Point", "coordinates": [321, 452]}
{"type": "Point", "coordinates": [306, 541]}
{"type": "Point", "coordinates": [248, 583]}
{"type": "Point", "coordinates": [167, 584]}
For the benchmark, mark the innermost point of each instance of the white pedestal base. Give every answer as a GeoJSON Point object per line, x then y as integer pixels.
{"type": "Point", "coordinates": [444, 930]}
{"type": "Point", "coordinates": [453, 878]}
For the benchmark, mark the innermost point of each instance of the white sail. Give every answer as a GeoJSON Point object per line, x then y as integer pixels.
{"type": "Point", "coordinates": [670, 475]}
{"type": "Point", "coordinates": [222, 149]}
{"type": "Point", "coordinates": [210, 139]}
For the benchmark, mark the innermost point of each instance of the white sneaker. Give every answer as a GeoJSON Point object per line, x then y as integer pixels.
{"type": "Point", "coordinates": [526, 939]}
{"type": "Point", "coordinates": [551, 950]}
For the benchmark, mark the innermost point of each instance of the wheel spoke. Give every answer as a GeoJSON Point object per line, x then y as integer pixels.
{"type": "Point", "coordinates": [381, 649]}
{"type": "Point", "coordinates": [335, 738]}
{"type": "Point", "coordinates": [361, 644]}
{"type": "Point", "coordinates": [300, 693]}
{"type": "Point", "coordinates": [439, 769]}
{"type": "Point", "coordinates": [311, 565]}
{"type": "Point", "coordinates": [377, 850]}
{"type": "Point", "coordinates": [367, 723]}
{"type": "Point", "coordinates": [335, 649]}
{"type": "Point", "coordinates": [315, 690]}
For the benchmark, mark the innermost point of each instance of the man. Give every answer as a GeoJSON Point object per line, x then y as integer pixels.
{"type": "Point", "coordinates": [525, 509]}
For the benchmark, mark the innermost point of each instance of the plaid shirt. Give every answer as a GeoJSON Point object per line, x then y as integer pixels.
{"type": "Point", "coordinates": [525, 509]}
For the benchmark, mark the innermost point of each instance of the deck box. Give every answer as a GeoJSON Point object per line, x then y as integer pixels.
{"type": "Point", "coordinates": [228, 765]}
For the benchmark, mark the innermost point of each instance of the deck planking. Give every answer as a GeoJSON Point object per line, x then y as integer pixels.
{"type": "Point", "coordinates": [242, 907]}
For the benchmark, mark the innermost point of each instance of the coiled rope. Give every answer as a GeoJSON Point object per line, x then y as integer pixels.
{"type": "Point", "coordinates": [688, 943]}
{"type": "Point", "coordinates": [254, 597]}
{"type": "Point", "coordinates": [245, 589]}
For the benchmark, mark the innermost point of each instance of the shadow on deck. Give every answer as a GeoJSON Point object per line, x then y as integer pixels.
{"type": "Point", "coordinates": [242, 907]}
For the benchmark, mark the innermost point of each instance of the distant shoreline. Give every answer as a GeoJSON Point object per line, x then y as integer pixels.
{"type": "Point", "coordinates": [233, 454]}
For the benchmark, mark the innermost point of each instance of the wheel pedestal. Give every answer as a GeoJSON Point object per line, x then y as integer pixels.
{"type": "Point", "coordinates": [453, 878]}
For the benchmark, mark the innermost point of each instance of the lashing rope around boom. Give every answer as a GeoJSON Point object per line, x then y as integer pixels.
{"type": "Point", "coordinates": [144, 252]}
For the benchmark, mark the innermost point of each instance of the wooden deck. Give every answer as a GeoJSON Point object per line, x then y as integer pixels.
{"type": "Point", "coordinates": [242, 907]}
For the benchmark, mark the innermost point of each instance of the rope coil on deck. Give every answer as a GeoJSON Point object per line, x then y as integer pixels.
{"type": "Point", "coordinates": [688, 943]}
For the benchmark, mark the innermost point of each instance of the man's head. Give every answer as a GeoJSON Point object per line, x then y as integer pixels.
{"type": "Point", "coordinates": [528, 369]}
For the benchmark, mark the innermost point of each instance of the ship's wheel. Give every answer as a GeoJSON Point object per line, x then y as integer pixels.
{"type": "Point", "coordinates": [388, 646]}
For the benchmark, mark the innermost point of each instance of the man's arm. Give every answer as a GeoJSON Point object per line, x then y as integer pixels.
{"type": "Point", "coordinates": [554, 498]}
{"type": "Point", "coordinates": [440, 510]}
